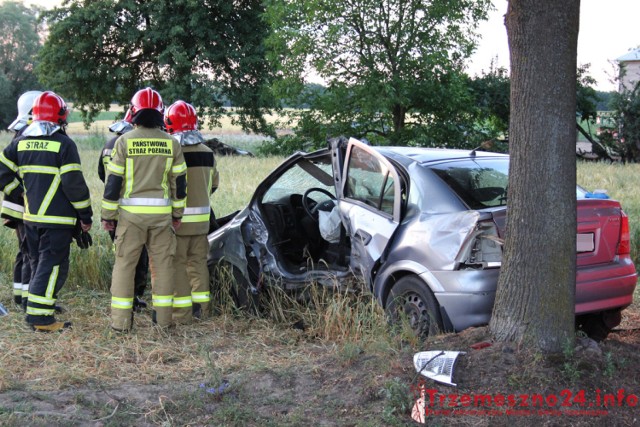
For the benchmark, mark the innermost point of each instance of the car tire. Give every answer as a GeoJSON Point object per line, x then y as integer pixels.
{"type": "Point", "coordinates": [242, 294]}
{"type": "Point", "coordinates": [411, 297]}
{"type": "Point", "coordinates": [597, 326]}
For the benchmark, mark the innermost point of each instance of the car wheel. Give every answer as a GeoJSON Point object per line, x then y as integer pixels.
{"type": "Point", "coordinates": [226, 277]}
{"type": "Point", "coordinates": [598, 325]}
{"type": "Point", "coordinates": [410, 297]}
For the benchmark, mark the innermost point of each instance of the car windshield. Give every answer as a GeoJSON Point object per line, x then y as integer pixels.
{"type": "Point", "coordinates": [480, 183]}
{"type": "Point", "coordinates": [305, 174]}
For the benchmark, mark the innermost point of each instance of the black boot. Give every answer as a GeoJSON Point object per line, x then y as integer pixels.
{"type": "Point", "coordinates": [196, 311]}
{"type": "Point", "coordinates": [139, 304]}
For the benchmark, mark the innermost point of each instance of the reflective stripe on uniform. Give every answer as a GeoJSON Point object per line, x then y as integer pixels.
{"type": "Point", "coordinates": [196, 218]}
{"type": "Point", "coordinates": [181, 302]}
{"type": "Point", "coordinates": [12, 209]}
{"type": "Point", "coordinates": [41, 300]}
{"type": "Point", "coordinates": [147, 209]}
{"type": "Point", "coordinates": [110, 206]}
{"type": "Point", "coordinates": [50, 219]}
{"type": "Point", "coordinates": [82, 204]}
{"type": "Point", "coordinates": [128, 178]}
{"type": "Point", "coordinates": [17, 288]}
{"type": "Point", "coordinates": [200, 297]}
{"type": "Point", "coordinates": [196, 214]}
{"type": "Point", "coordinates": [70, 168]}
{"type": "Point", "coordinates": [165, 176]}
{"type": "Point", "coordinates": [113, 168]}
{"type": "Point", "coordinates": [178, 203]}
{"type": "Point", "coordinates": [40, 311]}
{"type": "Point", "coordinates": [13, 206]}
{"type": "Point", "coordinates": [145, 201]}
{"type": "Point", "coordinates": [11, 186]}
{"type": "Point", "coordinates": [178, 169]}
{"type": "Point", "coordinates": [46, 201]}
{"type": "Point", "coordinates": [8, 163]}
{"type": "Point", "coordinates": [25, 290]}
{"type": "Point", "coordinates": [38, 169]}
{"type": "Point", "coordinates": [162, 300]}
{"type": "Point", "coordinates": [51, 285]}
{"type": "Point", "coordinates": [121, 303]}
{"type": "Point", "coordinates": [197, 210]}
{"type": "Point", "coordinates": [144, 205]}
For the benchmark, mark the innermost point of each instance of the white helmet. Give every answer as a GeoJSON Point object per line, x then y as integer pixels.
{"type": "Point", "coordinates": [25, 107]}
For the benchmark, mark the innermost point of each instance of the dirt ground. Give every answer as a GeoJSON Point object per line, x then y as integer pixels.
{"type": "Point", "coordinates": [293, 379]}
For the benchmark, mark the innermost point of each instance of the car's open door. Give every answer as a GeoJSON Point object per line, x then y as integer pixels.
{"type": "Point", "coordinates": [369, 193]}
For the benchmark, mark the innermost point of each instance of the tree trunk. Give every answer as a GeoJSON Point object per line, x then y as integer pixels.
{"type": "Point", "coordinates": [536, 290]}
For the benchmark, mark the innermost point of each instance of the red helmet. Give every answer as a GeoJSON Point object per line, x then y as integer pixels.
{"type": "Point", "coordinates": [180, 117]}
{"type": "Point", "coordinates": [49, 107]}
{"type": "Point", "coordinates": [128, 117]}
{"type": "Point", "coordinates": [146, 99]}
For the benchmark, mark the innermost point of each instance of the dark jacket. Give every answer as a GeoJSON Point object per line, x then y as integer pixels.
{"type": "Point", "coordinates": [56, 192]}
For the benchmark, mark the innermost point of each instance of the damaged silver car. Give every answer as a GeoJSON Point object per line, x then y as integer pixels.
{"type": "Point", "coordinates": [422, 227]}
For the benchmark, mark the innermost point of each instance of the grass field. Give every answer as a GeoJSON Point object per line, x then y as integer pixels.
{"type": "Point", "coordinates": [345, 367]}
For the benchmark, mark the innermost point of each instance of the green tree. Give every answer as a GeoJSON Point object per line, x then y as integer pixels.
{"type": "Point", "coordinates": [625, 131]}
{"type": "Point", "coordinates": [492, 91]}
{"type": "Point", "coordinates": [19, 44]}
{"type": "Point", "coordinates": [536, 289]}
{"type": "Point", "coordinates": [587, 99]}
{"type": "Point", "coordinates": [393, 69]}
{"type": "Point", "coordinates": [205, 52]}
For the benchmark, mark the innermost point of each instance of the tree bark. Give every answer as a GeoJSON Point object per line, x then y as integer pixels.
{"type": "Point", "coordinates": [536, 290]}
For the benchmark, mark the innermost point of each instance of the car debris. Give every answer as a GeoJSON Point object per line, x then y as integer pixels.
{"type": "Point", "coordinates": [436, 365]}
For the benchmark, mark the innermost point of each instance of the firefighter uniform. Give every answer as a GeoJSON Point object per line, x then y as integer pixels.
{"type": "Point", "coordinates": [12, 211]}
{"type": "Point", "coordinates": [142, 267]}
{"type": "Point", "coordinates": [56, 195]}
{"type": "Point", "coordinates": [145, 190]}
{"type": "Point", "coordinates": [192, 294]}
{"type": "Point", "coordinates": [13, 207]}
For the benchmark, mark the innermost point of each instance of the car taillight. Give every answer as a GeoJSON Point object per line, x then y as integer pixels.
{"type": "Point", "coordinates": [624, 243]}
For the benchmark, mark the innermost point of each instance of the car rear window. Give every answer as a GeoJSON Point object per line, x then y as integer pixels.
{"type": "Point", "coordinates": [480, 183]}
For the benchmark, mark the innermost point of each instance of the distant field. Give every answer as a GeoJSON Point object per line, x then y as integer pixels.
{"type": "Point", "coordinates": [106, 118]}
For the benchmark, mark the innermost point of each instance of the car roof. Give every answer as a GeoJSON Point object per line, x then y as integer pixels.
{"type": "Point", "coordinates": [424, 155]}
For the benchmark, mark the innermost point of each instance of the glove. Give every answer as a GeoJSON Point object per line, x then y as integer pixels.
{"type": "Point", "coordinates": [83, 239]}
{"type": "Point", "coordinates": [11, 223]}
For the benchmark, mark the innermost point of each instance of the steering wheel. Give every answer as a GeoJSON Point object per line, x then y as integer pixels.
{"type": "Point", "coordinates": [312, 210]}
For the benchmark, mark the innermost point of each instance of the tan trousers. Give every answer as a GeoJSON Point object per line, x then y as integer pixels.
{"type": "Point", "coordinates": [191, 277]}
{"type": "Point", "coordinates": [161, 245]}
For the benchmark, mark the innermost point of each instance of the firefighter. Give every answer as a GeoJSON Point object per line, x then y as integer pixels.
{"type": "Point", "coordinates": [145, 191]}
{"type": "Point", "coordinates": [191, 275]}
{"type": "Point", "coordinates": [56, 198]}
{"type": "Point", "coordinates": [140, 280]}
{"type": "Point", "coordinates": [13, 208]}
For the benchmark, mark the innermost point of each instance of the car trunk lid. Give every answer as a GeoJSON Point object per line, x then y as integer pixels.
{"type": "Point", "coordinates": [598, 234]}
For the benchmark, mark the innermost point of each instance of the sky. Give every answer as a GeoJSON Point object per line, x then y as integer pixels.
{"type": "Point", "coordinates": [608, 30]}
